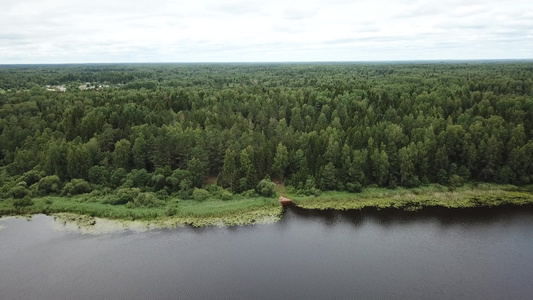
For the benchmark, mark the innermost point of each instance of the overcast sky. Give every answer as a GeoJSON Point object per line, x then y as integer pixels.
{"type": "Point", "coordinates": [72, 31]}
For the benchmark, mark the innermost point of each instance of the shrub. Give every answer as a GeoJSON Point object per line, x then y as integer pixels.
{"type": "Point", "coordinates": [123, 196]}
{"type": "Point", "coordinates": [442, 177]}
{"type": "Point", "coordinates": [310, 192]}
{"type": "Point", "coordinates": [354, 187]}
{"type": "Point", "coordinates": [49, 184]}
{"type": "Point", "coordinates": [412, 182]}
{"type": "Point", "coordinates": [266, 188]}
{"type": "Point", "coordinates": [117, 177]}
{"type": "Point", "coordinates": [138, 178]}
{"type": "Point", "coordinates": [226, 195]}
{"type": "Point", "coordinates": [200, 194]}
{"type": "Point", "coordinates": [31, 177]}
{"type": "Point", "coordinates": [464, 172]}
{"type": "Point", "coordinates": [249, 194]}
{"type": "Point", "coordinates": [76, 186]}
{"type": "Point", "coordinates": [171, 211]}
{"type": "Point", "coordinates": [214, 189]}
{"type": "Point", "coordinates": [98, 175]}
{"type": "Point", "coordinates": [18, 191]}
{"type": "Point", "coordinates": [456, 181]}
{"type": "Point", "coordinates": [505, 175]}
{"type": "Point", "coordinates": [159, 181]}
{"type": "Point", "coordinates": [176, 178]}
{"type": "Point", "coordinates": [26, 201]}
{"type": "Point", "coordinates": [186, 190]}
{"type": "Point", "coordinates": [163, 194]}
{"type": "Point", "coordinates": [309, 188]}
{"type": "Point", "coordinates": [146, 200]}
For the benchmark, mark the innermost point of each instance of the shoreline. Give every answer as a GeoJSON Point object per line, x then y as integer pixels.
{"type": "Point", "coordinates": [86, 214]}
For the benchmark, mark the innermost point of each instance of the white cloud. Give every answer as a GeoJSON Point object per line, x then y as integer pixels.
{"type": "Point", "coordinates": [33, 31]}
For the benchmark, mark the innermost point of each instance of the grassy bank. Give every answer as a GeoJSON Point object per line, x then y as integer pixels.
{"type": "Point", "coordinates": [84, 209]}
{"type": "Point", "coordinates": [472, 195]}
{"type": "Point", "coordinates": [176, 212]}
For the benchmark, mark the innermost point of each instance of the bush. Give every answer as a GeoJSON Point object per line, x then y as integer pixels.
{"type": "Point", "coordinates": [76, 186]}
{"type": "Point", "coordinates": [117, 177]}
{"type": "Point", "coordinates": [123, 196]}
{"type": "Point", "coordinates": [309, 188]}
{"type": "Point", "coordinates": [354, 187]}
{"type": "Point", "coordinates": [442, 177]}
{"type": "Point", "coordinates": [138, 178]}
{"type": "Point", "coordinates": [171, 211]}
{"type": "Point", "coordinates": [412, 182]}
{"type": "Point", "coordinates": [31, 177]}
{"type": "Point", "coordinates": [163, 194]}
{"type": "Point", "coordinates": [185, 191]}
{"type": "Point", "coordinates": [146, 200]}
{"type": "Point", "coordinates": [98, 175]}
{"type": "Point", "coordinates": [505, 175]}
{"type": "Point", "coordinates": [200, 194]}
{"type": "Point", "coordinates": [266, 188]}
{"type": "Point", "coordinates": [176, 178]}
{"type": "Point", "coordinates": [249, 194]}
{"type": "Point", "coordinates": [159, 181]}
{"type": "Point", "coordinates": [18, 191]}
{"type": "Point", "coordinates": [49, 184]}
{"type": "Point", "coordinates": [214, 189]}
{"type": "Point", "coordinates": [26, 201]}
{"type": "Point", "coordinates": [310, 192]}
{"type": "Point", "coordinates": [456, 181]}
{"type": "Point", "coordinates": [464, 172]}
{"type": "Point", "coordinates": [226, 195]}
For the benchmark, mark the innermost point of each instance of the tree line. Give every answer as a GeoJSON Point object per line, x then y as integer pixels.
{"type": "Point", "coordinates": [167, 128]}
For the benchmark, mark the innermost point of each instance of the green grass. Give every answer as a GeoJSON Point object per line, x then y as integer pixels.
{"type": "Point", "coordinates": [482, 195]}
{"type": "Point", "coordinates": [174, 213]}
{"type": "Point", "coordinates": [240, 210]}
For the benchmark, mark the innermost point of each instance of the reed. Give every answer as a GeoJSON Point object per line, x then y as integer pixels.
{"type": "Point", "coordinates": [485, 195]}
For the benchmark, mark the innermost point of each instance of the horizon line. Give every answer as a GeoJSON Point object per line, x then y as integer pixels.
{"type": "Point", "coordinates": [286, 62]}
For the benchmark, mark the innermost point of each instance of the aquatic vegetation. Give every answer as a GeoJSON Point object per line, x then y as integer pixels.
{"type": "Point", "coordinates": [485, 195]}
{"type": "Point", "coordinates": [175, 212]}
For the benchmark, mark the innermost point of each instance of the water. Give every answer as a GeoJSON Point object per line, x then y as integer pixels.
{"type": "Point", "coordinates": [433, 254]}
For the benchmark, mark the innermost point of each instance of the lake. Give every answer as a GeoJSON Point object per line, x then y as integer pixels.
{"type": "Point", "coordinates": [430, 254]}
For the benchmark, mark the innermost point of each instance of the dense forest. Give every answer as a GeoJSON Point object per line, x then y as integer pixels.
{"type": "Point", "coordinates": [165, 130]}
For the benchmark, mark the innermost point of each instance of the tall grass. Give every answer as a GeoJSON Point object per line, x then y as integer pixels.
{"type": "Point", "coordinates": [175, 211]}
{"type": "Point", "coordinates": [241, 210]}
{"type": "Point", "coordinates": [413, 199]}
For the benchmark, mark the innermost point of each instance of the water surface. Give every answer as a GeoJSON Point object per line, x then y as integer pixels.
{"type": "Point", "coordinates": [446, 254]}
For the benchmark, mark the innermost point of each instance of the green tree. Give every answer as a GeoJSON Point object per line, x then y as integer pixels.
{"type": "Point", "coordinates": [328, 180]}
{"type": "Point", "coordinates": [78, 161]}
{"type": "Point", "coordinates": [380, 162]}
{"type": "Point", "coordinates": [281, 161]}
{"type": "Point", "coordinates": [229, 176]}
{"type": "Point", "coordinates": [248, 177]}
{"type": "Point", "coordinates": [122, 154]}
{"type": "Point", "coordinates": [140, 152]}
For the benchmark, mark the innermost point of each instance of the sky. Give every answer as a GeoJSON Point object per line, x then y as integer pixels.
{"type": "Point", "coordinates": [107, 31]}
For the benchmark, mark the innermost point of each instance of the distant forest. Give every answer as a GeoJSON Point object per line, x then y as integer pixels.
{"type": "Point", "coordinates": [168, 128]}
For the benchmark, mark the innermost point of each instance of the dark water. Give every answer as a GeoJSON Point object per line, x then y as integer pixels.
{"type": "Point", "coordinates": [467, 254]}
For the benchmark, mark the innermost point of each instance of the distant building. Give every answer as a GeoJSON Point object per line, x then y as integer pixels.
{"type": "Point", "coordinates": [56, 88]}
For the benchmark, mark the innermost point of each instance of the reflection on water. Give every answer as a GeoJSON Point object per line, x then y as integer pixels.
{"type": "Point", "coordinates": [433, 253]}
{"type": "Point", "coordinates": [393, 217]}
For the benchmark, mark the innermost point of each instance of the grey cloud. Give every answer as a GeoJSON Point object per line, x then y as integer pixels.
{"type": "Point", "coordinates": [209, 30]}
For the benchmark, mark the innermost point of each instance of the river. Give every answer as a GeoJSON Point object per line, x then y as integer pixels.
{"type": "Point", "coordinates": [388, 254]}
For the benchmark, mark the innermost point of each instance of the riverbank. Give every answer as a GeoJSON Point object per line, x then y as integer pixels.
{"type": "Point", "coordinates": [212, 212]}
{"type": "Point", "coordinates": [85, 211]}
{"type": "Point", "coordinates": [468, 196]}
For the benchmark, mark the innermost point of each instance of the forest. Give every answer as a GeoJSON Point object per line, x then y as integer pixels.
{"type": "Point", "coordinates": [138, 135]}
